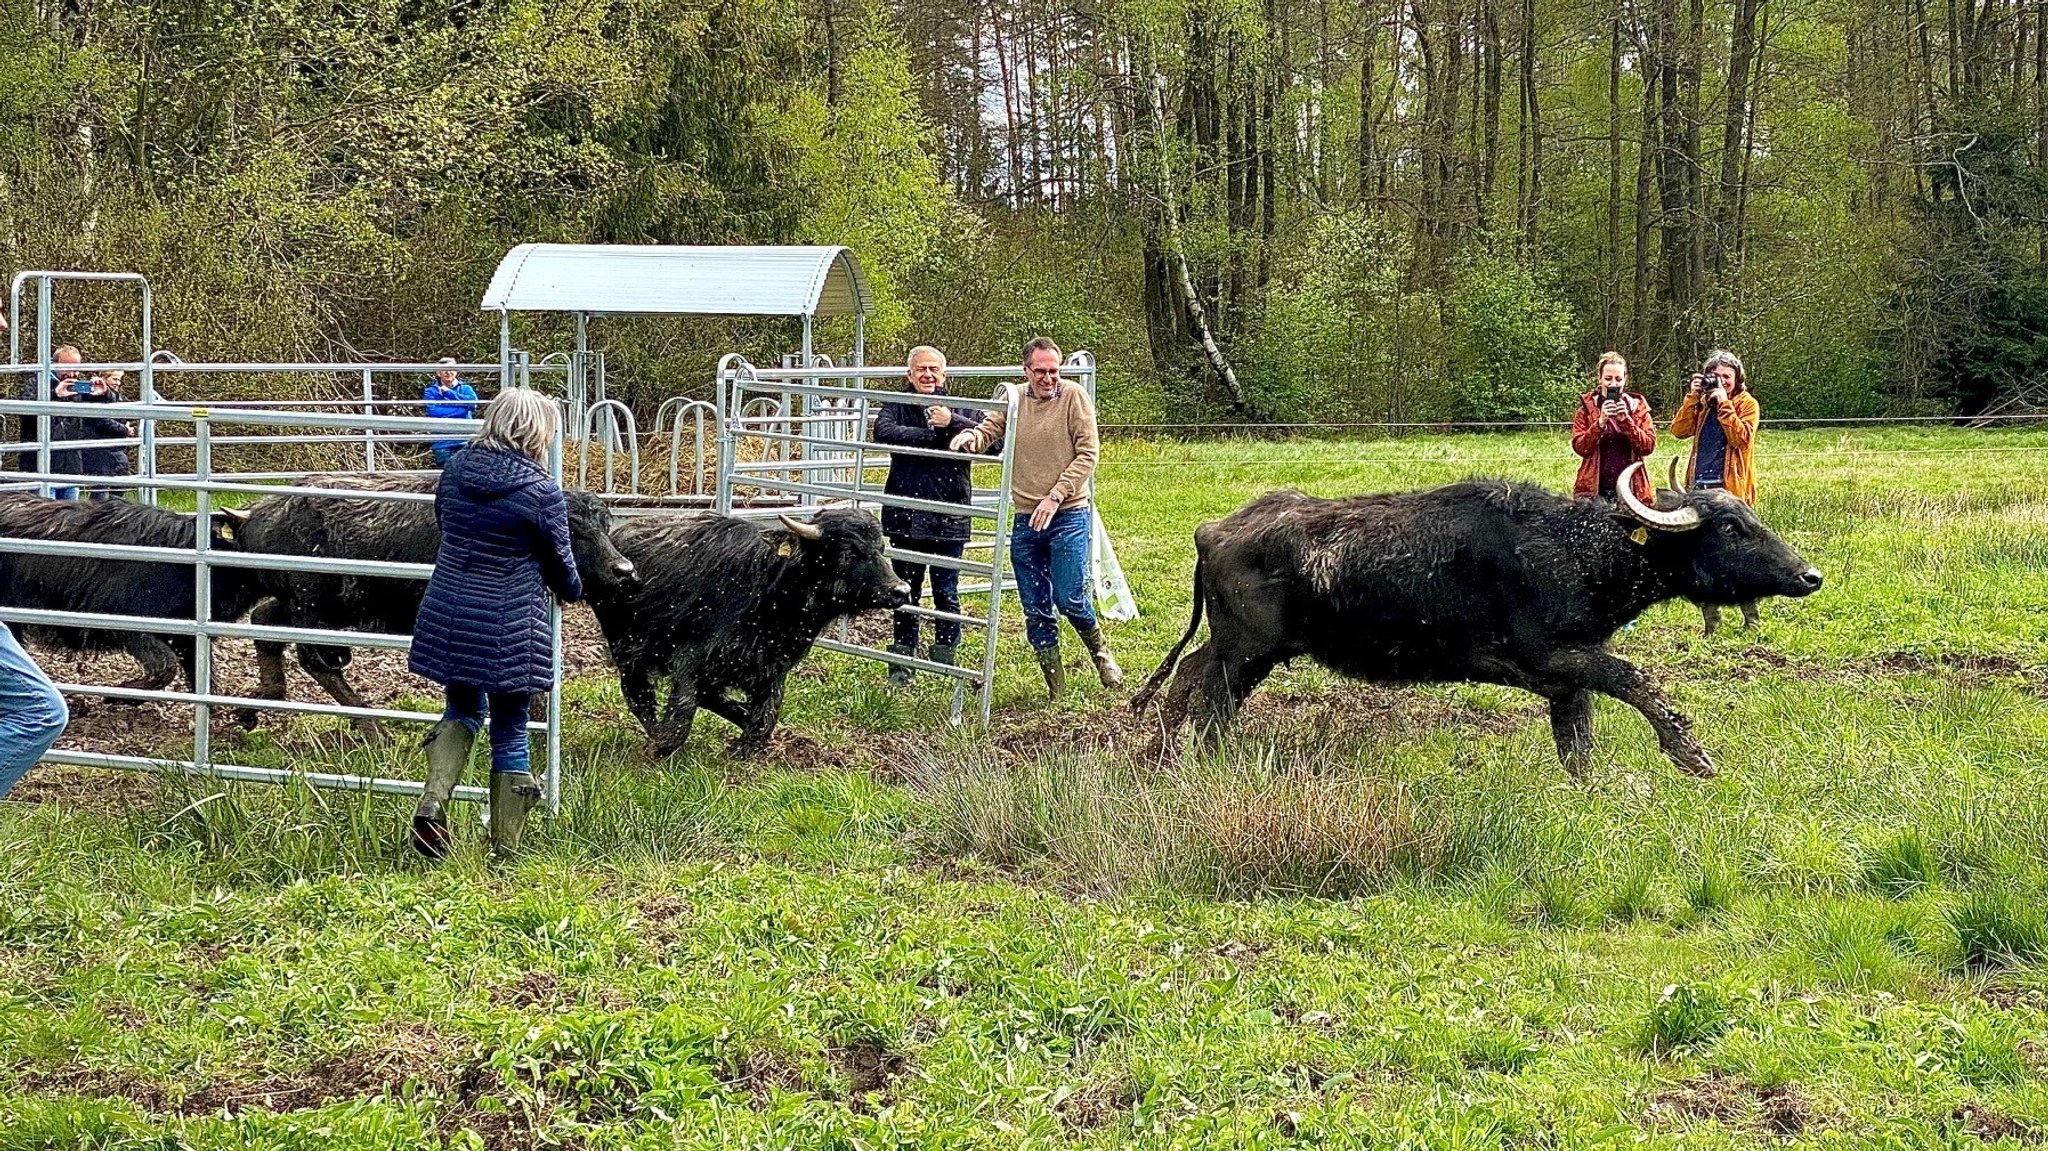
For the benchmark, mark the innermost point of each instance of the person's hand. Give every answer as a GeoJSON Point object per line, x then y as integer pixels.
{"type": "Point", "coordinates": [1720, 394]}
{"type": "Point", "coordinates": [1614, 409]}
{"type": "Point", "coordinates": [938, 416]}
{"type": "Point", "coordinates": [963, 442]}
{"type": "Point", "coordinates": [1043, 513]}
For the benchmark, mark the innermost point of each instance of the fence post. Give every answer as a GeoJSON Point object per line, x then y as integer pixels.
{"type": "Point", "coordinates": [369, 434]}
{"type": "Point", "coordinates": [202, 590]}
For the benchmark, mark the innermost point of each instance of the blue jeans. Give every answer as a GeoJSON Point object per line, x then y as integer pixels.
{"type": "Point", "coordinates": [1052, 570]}
{"type": "Point", "coordinates": [507, 712]}
{"type": "Point", "coordinates": [32, 714]}
{"type": "Point", "coordinates": [945, 590]}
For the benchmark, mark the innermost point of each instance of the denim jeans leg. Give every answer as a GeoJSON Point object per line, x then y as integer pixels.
{"type": "Point", "coordinates": [32, 713]}
{"type": "Point", "coordinates": [509, 748]}
{"type": "Point", "coordinates": [946, 591]}
{"type": "Point", "coordinates": [1031, 562]}
{"type": "Point", "coordinates": [465, 706]}
{"type": "Point", "coordinates": [1070, 532]}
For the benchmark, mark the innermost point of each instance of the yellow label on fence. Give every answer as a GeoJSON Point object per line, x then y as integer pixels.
{"type": "Point", "coordinates": [199, 413]}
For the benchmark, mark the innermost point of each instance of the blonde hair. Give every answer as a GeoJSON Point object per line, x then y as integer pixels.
{"type": "Point", "coordinates": [521, 420]}
{"type": "Point", "coordinates": [1607, 358]}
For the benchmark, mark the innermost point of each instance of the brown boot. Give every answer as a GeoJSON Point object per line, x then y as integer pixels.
{"type": "Point", "coordinates": [1055, 671]}
{"type": "Point", "coordinates": [1105, 664]}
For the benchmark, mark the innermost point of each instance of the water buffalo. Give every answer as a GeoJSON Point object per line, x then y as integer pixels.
{"type": "Point", "coordinates": [725, 609]}
{"type": "Point", "coordinates": [115, 587]}
{"type": "Point", "coordinates": [399, 531]}
{"type": "Point", "coordinates": [1483, 580]}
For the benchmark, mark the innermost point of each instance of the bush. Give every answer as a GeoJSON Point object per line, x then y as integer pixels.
{"type": "Point", "coordinates": [1511, 344]}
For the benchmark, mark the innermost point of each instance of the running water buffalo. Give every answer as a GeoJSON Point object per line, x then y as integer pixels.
{"type": "Point", "coordinates": [398, 531]}
{"type": "Point", "coordinates": [725, 609]}
{"type": "Point", "coordinates": [115, 587]}
{"type": "Point", "coordinates": [1483, 580]}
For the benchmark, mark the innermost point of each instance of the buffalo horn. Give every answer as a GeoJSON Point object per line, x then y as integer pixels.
{"type": "Point", "coordinates": [1671, 473]}
{"type": "Point", "coordinates": [1678, 520]}
{"type": "Point", "coordinates": [801, 530]}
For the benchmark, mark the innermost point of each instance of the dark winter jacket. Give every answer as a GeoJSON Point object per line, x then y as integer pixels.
{"type": "Point", "coordinates": [920, 477]}
{"type": "Point", "coordinates": [504, 548]}
{"type": "Point", "coordinates": [76, 461]}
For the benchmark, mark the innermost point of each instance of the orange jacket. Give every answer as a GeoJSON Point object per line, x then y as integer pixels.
{"type": "Point", "coordinates": [1738, 419]}
{"type": "Point", "coordinates": [1586, 430]}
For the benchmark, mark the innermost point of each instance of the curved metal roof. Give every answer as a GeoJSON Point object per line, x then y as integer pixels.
{"type": "Point", "coordinates": [652, 279]}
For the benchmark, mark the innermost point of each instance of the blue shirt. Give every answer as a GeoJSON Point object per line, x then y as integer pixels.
{"type": "Point", "coordinates": [451, 403]}
{"type": "Point", "coordinates": [1713, 451]}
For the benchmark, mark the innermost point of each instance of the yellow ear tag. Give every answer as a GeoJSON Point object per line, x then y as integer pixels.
{"type": "Point", "coordinates": [1640, 535]}
{"type": "Point", "coordinates": [785, 549]}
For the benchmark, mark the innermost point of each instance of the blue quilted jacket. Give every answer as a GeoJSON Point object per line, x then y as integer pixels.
{"type": "Point", "coordinates": [504, 548]}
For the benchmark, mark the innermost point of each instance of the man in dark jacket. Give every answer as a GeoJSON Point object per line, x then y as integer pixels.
{"type": "Point", "coordinates": [915, 424]}
{"type": "Point", "coordinates": [69, 387]}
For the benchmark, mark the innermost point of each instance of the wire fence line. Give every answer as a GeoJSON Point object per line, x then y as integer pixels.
{"type": "Point", "coordinates": [1977, 422]}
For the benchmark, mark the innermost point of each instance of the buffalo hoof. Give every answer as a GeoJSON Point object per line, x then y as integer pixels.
{"type": "Point", "coordinates": [247, 718]}
{"type": "Point", "coordinates": [747, 748]}
{"type": "Point", "coordinates": [430, 836]}
{"type": "Point", "coordinates": [1578, 763]}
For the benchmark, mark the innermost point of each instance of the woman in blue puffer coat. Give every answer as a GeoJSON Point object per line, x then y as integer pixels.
{"type": "Point", "coordinates": [483, 628]}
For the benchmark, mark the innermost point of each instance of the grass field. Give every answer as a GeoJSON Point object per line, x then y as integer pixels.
{"type": "Point", "coordinates": [1375, 918]}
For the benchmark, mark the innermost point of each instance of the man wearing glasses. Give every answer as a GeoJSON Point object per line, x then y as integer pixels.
{"type": "Point", "coordinates": [1055, 455]}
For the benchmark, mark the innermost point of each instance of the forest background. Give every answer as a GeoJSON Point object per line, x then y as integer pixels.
{"type": "Point", "coordinates": [1425, 210]}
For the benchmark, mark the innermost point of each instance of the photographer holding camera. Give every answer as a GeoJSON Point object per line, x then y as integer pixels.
{"type": "Point", "coordinates": [1720, 415]}
{"type": "Point", "coordinates": [1612, 429]}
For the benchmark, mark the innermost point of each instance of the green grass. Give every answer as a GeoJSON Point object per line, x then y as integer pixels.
{"type": "Point", "coordinates": [1375, 918]}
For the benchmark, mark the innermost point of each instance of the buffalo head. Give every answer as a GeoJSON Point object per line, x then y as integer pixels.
{"type": "Point", "coordinates": [842, 549]}
{"type": "Point", "coordinates": [598, 560]}
{"type": "Point", "coordinates": [1734, 558]}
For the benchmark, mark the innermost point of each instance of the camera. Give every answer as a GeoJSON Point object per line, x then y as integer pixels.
{"type": "Point", "coordinates": [1609, 393]}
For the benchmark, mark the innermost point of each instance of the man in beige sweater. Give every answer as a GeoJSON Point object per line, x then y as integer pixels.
{"type": "Point", "coordinates": [1055, 455]}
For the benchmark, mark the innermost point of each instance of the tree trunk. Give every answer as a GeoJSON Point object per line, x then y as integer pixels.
{"type": "Point", "coordinates": [1191, 299]}
{"type": "Point", "coordinates": [1610, 327]}
{"type": "Point", "coordinates": [1741, 47]}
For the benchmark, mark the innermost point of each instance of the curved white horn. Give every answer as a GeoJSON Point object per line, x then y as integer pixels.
{"type": "Point", "coordinates": [800, 529]}
{"type": "Point", "coordinates": [1671, 474]}
{"type": "Point", "coordinates": [1680, 520]}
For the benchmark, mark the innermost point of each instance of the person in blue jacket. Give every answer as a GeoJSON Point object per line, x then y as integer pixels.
{"type": "Point", "coordinates": [448, 398]}
{"type": "Point", "coordinates": [483, 628]}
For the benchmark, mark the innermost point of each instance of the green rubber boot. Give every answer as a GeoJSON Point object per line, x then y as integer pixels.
{"type": "Point", "coordinates": [1106, 668]}
{"type": "Point", "coordinates": [900, 676]}
{"type": "Point", "coordinates": [447, 744]}
{"type": "Point", "coordinates": [513, 794]}
{"type": "Point", "coordinates": [944, 653]}
{"type": "Point", "coordinates": [1055, 672]}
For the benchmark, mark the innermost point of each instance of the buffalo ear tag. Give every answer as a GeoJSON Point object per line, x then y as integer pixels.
{"type": "Point", "coordinates": [785, 549]}
{"type": "Point", "coordinates": [1640, 535]}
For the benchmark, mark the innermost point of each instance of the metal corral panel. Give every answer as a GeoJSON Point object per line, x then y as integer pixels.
{"type": "Point", "coordinates": [650, 279]}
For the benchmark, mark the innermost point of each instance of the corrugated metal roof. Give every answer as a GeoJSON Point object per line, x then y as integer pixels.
{"type": "Point", "coordinates": [650, 279]}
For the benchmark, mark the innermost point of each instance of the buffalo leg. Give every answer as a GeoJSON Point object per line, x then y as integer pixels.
{"type": "Point", "coordinates": [638, 688]}
{"type": "Point", "coordinates": [1173, 710]}
{"type": "Point", "coordinates": [673, 732]}
{"type": "Point", "coordinates": [1226, 681]}
{"type": "Point", "coordinates": [269, 659]}
{"type": "Point", "coordinates": [1571, 725]}
{"type": "Point", "coordinates": [1609, 674]}
{"type": "Point", "coordinates": [320, 662]}
{"type": "Point", "coordinates": [159, 661]}
{"type": "Point", "coordinates": [757, 725]}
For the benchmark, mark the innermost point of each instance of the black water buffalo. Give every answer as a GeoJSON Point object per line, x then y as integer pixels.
{"type": "Point", "coordinates": [115, 587]}
{"type": "Point", "coordinates": [1483, 580]}
{"type": "Point", "coordinates": [398, 531]}
{"type": "Point", "coordinates": [725, 609]}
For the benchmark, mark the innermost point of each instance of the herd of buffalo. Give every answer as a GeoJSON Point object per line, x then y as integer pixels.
{"type": "Point", "coordinates": [1485, 580]}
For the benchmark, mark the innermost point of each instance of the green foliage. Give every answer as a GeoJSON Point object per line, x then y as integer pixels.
{"type": "Point", "coordinates": [1510, 343]}
{"type": "Point", "coordinates": [1901, 866]}
{"type": "Point", "coordinates": [1999, 928]}
{"type": "Point", "coordinates": [1685, 1015]}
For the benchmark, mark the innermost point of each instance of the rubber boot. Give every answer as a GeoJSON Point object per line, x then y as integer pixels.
{"type": "Point", "coordinates": [1055, 671]}
{"type": "Point", "coordinates": [900, 676]}
{"type": "Point", "coordinates": [1105, 664]}
{"type": "Point", "coordinates": [944, 653]}
{"type": "Point", "coordinates": [513, 794]}
{"type": "Point", "coordinates": [447, 744]}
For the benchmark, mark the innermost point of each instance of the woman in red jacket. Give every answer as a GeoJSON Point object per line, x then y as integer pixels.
{"type": "Point", "coordinates": [1612, 429]}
